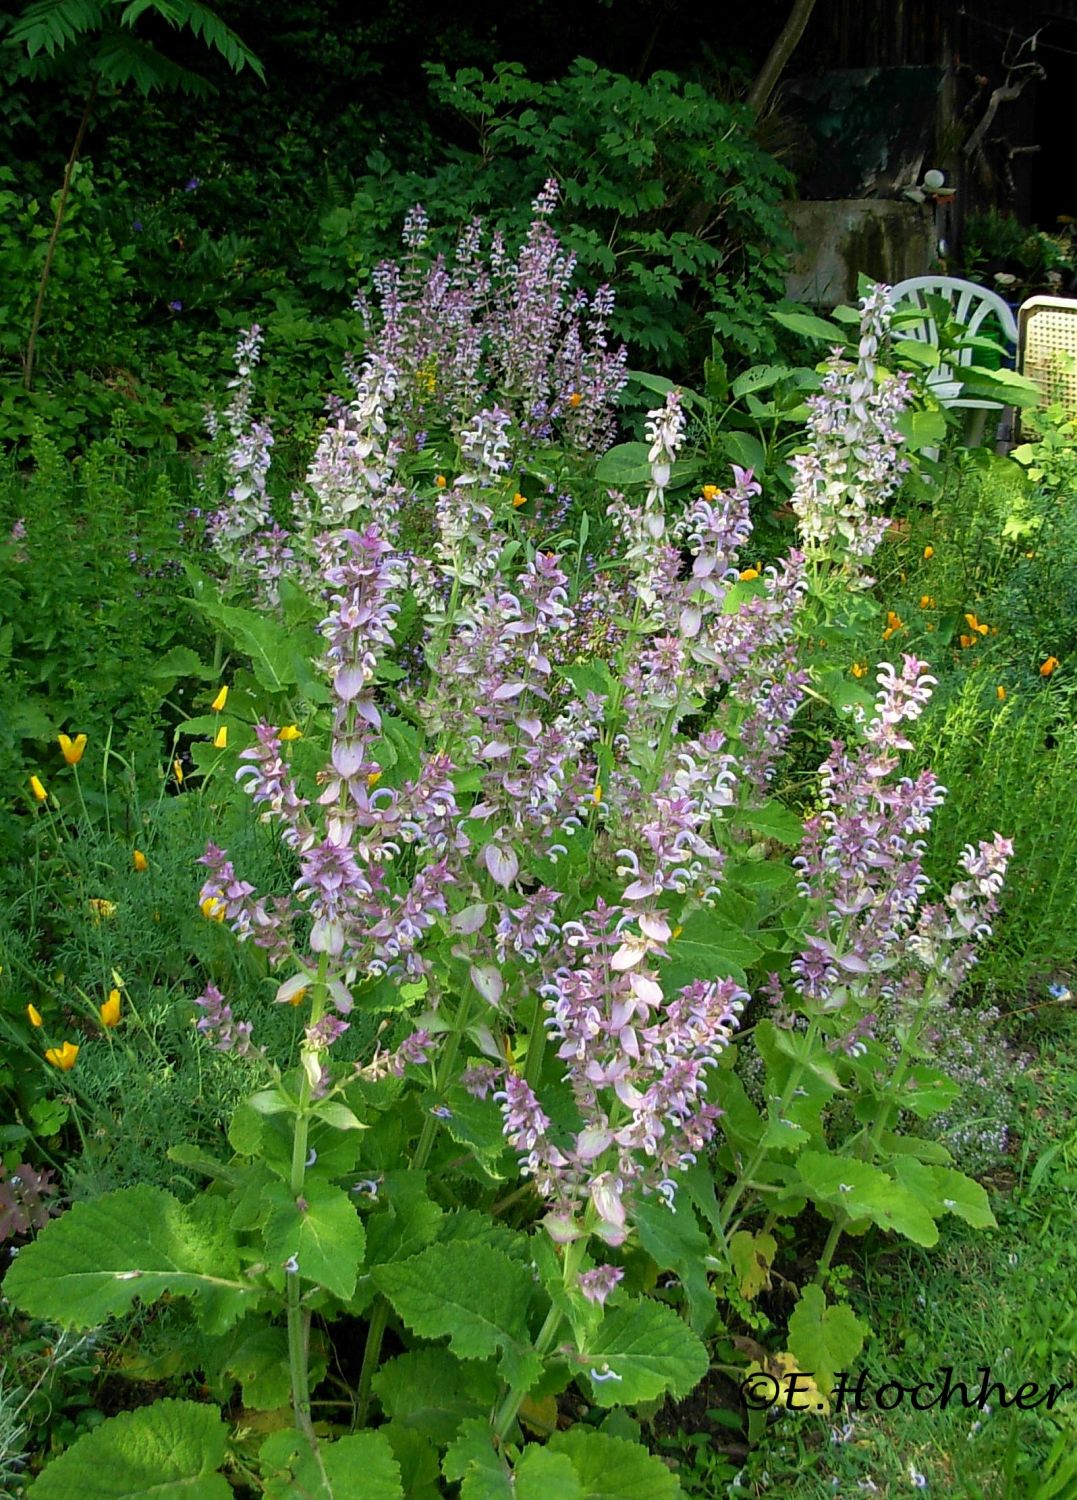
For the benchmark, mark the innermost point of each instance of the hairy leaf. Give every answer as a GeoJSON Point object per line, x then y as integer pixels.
{"type": "Point", "coordinates": [140, 1242]}
{"type": "Point", "coordinates": [468, 1291]}
{"type": "Point", "coordinates": [611, 1468]}
{"type": "Point", "coordinates": [169, 1451]}
{"type": "Point", "coordinates": [649, 1350]}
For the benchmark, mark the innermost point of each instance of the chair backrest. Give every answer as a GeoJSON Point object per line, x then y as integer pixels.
{"type": "Point", "coordinates": [969, 304]}
{"type": "Point", "coordinates": [1048, 329]}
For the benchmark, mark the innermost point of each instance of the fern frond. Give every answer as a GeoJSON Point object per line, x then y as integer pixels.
{"type": "Point", "coordinates": [122, 59]}
{"type": "Point", "coordinates": [51, 26]}
{"type": "Point", "coordinates": [206, 25]}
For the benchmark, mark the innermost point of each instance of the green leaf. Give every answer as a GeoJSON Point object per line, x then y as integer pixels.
{"type": "Point", "coordinates": [824, 1339]}
{"type": "Point", "coordinates": [256, 1355]}
{"type": "Point", "coordinates": [759, 378]}
{"type": "Point", "coordinates": [810, 327]}
{"type": "Point", "coordinates": [359, 1467]}
{"type": "Point", "coordinates": [922, 429]}
{"type": "Point", "coordinates": [745, 449]}
{"type": "Point", "coordinates": [865, 1192]}
{"type": "Point", "coordinates": [327, 1238]}
{"type": "Point", "coordinates": [773, 820]}
{"type": "Point", "coordinates": [947, 1191]}
{"type": "Point", "coordinates": [433, 1392]}
{"type": "Point", "coordinates": [928, 1091]}
{"type": "Point", "coordinates": [181, 661]}
{"type": "Point", "coordinates": [469, 1292]}
{"type": "Point", "coordinates": [650, 1349]}
{"type": "Point", "coordinates": [708, 948]}
{"type": "Point", "coordinates": [405, 1221]}
{"type": "Point", "coordinates": [628, 464]}
{"type": "Point", "coordinates": [277, 651]}
{"type": "Point", "coordinates": [611, 1468]}
{"type": "Point", "coordinates": [471, 1459]}
{"type": "Point", "coordinates": [542, 1475]}
{"type": "Point", "coordinates": [479, 1124]}
{"type": "Point", "coordinates": [338, 1115]}
{"type": "Point", "coordinates": [675, 1242]}
{"type": "Point", "coordinates": [93, 1262]}
{"type": "Point", "coordinates": [169, 1451]}
{"type": "Point", "coordinates": [270, 1102]}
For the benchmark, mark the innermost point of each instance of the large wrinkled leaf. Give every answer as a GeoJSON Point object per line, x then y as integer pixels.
{"type": "Point", "coordinates": [140, 1242]}
{"type": "Point", "coordinates": [647, 1350]}
{"type": "Point", "coordinates": [611, 1468]}
{"type": "Point", "coordinates": [469, 1292]}
{"type": "Point", "coordinates": [325, 1236]}
{"type": "Point", "coordinates": [359, 1467]}
{"type": "Point", "coordinates": [169, 1451]}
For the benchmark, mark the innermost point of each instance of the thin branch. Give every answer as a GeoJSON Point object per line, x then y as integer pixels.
{"type": "Point", "coordinates": [780, 54]}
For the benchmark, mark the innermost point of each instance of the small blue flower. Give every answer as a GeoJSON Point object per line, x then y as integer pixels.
{"type": "Point", "coordinates": [176, 306]}
{"type": "Point", "coordinates": [191, 184]}
{"type": "Point", "coordinates": [137, 226]}
{"type": "Point", "coordinates": [1059, 992]}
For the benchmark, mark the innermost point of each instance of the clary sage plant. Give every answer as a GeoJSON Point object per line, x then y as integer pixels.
{"type": "Point", "coordinates": [543, 873]}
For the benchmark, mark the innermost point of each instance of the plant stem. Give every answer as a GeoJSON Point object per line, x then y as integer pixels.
{"type": "Point", "coordinates": [536, 1045]}
{"type": "Point", "coordinates": [35, 323]}
{"type": "Point", "coordinates": [371, 1358]}
{"type": "Point", "coordinates": [380, 1315]}
{"type": "Point", "coordinates": [506, 1413]}
{"type": "Point", "coordinates": [736, 1192]}
{"type": "Point", "coordinates": [298, 1320]}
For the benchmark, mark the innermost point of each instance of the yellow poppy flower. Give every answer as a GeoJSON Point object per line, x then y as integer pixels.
{"type": "Point", "coordinates": [63, 1057]}
{"type": "Point", "coordinates": [973, 623]}
{"type": "Point", "coordinates": [100, 908]}
{"type": "Point", "coordinates": [1049, 666]}
{"type": "Point", "coordinates": [893, 624]}
{"type": "Point", "coordinates": [110, 1011]}
{"type": "Point", "coordinates": [139, 860]}
{"type": "Point", "coordinates": [519, 500]}
{"type": "Point", "coordinates": [72, 748]}
{"type": "Point", "coordinates": [859, 669]}
{"type": "Point", "coordinates": [373, 778]}
{"type": "Point", "coordinates": [709, 491]}
{"type": "Point", "coordinates": [220, 739]}
{"type": "Point", "coordinates": [747, 574]}
{"type": "Point", "coordinates": [929, 553]}
{"type": "Point", "coordinates": [38, 790]}
{"type": "Point", "coordinates": [927, 601]}
{"type": "Point", "coordinates": [177, 771]}
{"type": "Point", "coordinates": [33, 1015]}
{"type": "Point", "coordinates": [290, 732]}
{"type": "Point", "coordinates": [1000, 693]}
{"type": "Point", "coordinates": [967, 641]}
{"type": "Point", "coordinates": [221, 699]}
{"type": "Point", "coordinates": [441, 481]}
{"type": "Point", "coordinates": [575, 399]}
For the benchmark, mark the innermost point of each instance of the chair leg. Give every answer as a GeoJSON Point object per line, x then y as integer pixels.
{"type": "Point", "coordinates": [975, 430]}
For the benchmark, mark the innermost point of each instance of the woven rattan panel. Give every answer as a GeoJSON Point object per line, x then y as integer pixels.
{"type": "Point", "coordinates": [1047, 334]}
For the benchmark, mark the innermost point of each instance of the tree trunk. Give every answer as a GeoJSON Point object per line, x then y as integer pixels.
{"type": "Point", "coordinates": [780, 54]}
{"type": "Point", "coordinates": [28, 358]}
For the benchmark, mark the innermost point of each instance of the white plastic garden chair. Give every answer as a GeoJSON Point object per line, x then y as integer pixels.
{"type": "Point", "coordinates": [971, 305]}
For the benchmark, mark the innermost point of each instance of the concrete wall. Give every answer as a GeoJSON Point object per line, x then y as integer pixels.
{"type": "Point", "coordinates": [886, 239]}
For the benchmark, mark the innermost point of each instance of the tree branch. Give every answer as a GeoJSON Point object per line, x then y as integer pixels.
{"type": "Point", "coordinates": [780, 54]}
